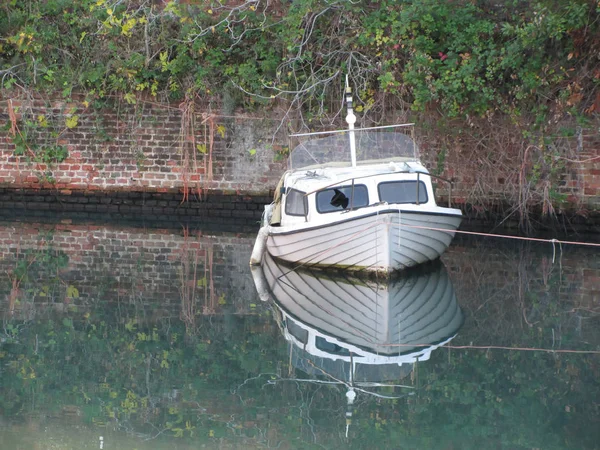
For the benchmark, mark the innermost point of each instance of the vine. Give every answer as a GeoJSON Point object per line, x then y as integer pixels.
{"type": "Point", "coordinates": [37, 139]}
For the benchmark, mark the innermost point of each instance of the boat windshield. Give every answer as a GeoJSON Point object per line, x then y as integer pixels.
{"type": "Point", "coordinates": [371, 147]}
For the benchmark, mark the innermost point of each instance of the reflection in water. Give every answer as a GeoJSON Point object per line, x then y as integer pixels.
{"type": "Point", "coordinates": [360, 332]}
{"type": "Point", "coordinates": [357, 329]}
{"type": "Point", "coordinates": [156, 338]}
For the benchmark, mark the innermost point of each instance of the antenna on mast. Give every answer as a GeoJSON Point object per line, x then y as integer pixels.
{"type": "Point", "coordinates": [351, 120]}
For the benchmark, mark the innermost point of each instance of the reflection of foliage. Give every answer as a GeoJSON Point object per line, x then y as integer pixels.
{"type": "Point", "coordinates": [132, 374]}
{"type": "Point", "coordinates": [151, 378]}
{"type": "Point", "coordinates": [37, 274]}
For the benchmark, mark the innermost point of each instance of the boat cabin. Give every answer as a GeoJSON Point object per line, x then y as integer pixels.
{"type": "Point", "coordinates": [322, 181]}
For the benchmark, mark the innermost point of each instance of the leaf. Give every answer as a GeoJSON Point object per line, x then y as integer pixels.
{"type": "Point", "coordinates": [252, 151]}
{"type": "Point", "coordinates": [130, 98]}
{"type": "Point", "coordinates": [42, 121]}
{"type": "Point", "coordinates": [201, 148]}
{"type": "Point", "coordinates": [72, 291]}
{"type": "Point", "coordinates": [83, 34]}
{"type": "Point", "coordinates": [221, 131]}
{"type": "Point", "coordinates": [201, 282]}
{"type": "Point", "coordinates": [130, 326]}
{"type": "Point", "coordinates": [211, 433]}
{"type": "Point", "coordinates": [71, 122]}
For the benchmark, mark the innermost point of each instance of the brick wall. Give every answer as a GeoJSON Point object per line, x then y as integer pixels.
{"type": "Point", "coordinates": [167, 148]}
{"type": "Point", "coordinates": [493, 167]}
{"type": "Point", "coordinates": [143, 147]}
{"type": "Point", "coordinates": [231, 212]}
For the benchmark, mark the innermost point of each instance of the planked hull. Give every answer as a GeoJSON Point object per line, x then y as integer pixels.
{"type": "Point", "coordinates": [384, 241]}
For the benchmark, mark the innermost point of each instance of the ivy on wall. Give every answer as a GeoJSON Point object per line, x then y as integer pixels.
{"type": "Point", "coordinates": [464, 57]}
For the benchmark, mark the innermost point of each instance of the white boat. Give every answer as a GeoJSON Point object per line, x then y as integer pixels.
{"type": "Point", "coordinates": [359, 330]}
{"type": "Point", "coordinates": [358, 199]}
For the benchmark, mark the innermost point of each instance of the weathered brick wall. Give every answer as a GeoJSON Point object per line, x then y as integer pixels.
{"type": "Point", "coordinates": [141, 147]}
{"type": "Point", "coordinates": [492, 165]}
{"type": "Point", "coordinates": [164, 148]}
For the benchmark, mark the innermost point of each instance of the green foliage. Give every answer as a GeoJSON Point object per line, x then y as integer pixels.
{"type": "Point", "coordinates": [466, 57]}
{"type": "Point", "coordinates": [35, 145]}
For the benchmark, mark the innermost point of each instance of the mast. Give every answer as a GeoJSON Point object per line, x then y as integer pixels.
{"type": "Point", "coordinates": [351, 120]}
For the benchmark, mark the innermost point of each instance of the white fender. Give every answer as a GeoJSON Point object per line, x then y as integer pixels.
{"type": "Point", "coordinates": [259, 246]}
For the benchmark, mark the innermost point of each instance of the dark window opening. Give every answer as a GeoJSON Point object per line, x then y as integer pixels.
{"type": "Point", "coordinates": [402, 192]}
{"type": "Point", "coordinates": [330, 347]}
{"type": "Point", "coordinates": [340, 198]}
{"type": "Point", "coordinates": [296, 203]}
{"type": "Point", "coordinates": [298, 332]}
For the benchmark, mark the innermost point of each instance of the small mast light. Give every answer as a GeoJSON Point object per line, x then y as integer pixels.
{"type": "Point", "coordinates": [351, 120]}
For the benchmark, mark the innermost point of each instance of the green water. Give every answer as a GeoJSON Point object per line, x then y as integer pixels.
{"type": "Point", "coordinates": [124, 338]}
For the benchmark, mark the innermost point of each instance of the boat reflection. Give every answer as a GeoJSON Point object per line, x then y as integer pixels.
{"type": "Point", "coordinates": [357, 330]}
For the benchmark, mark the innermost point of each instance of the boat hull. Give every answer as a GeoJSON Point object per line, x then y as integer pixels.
{"type": "Point", "coordinates": [382, 241]}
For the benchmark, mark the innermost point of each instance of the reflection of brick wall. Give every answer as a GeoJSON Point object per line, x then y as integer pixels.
{"type": "Point", "coordinates": [131, 267]}
{"type": "Point", "coordinates": [506, 289]}
{"type": "Point", "coordinates": [518, 290]}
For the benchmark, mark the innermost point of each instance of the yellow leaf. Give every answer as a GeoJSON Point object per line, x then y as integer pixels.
{"type": "Point", "coordinates": [130, 98]}
{"type": "Point", "coordinates": [221, 131]}
{"type": "Point", "coordinates": [71, 122]}
{"type": "Point", "coordinates": [202, 149]}
{"type": "Point", "coordinates": [72, 291]}
{"type": "Point", "coordinates": [211, 433]}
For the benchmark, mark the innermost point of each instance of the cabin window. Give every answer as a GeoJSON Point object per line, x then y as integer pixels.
{"type": "Point", "coordinates": [329, 347]}
{"type": "Point", "coordinates": [340, 198]}
{"type": "Point", "coordinates": [296, 203]}
{"type": "Point", "coordinates": [402, 192]}
{"type": "Point", "coordinates": [295, 330]}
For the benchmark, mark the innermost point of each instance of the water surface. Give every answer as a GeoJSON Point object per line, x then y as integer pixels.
{"type": "Point", "coordinates": [123, 337]}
